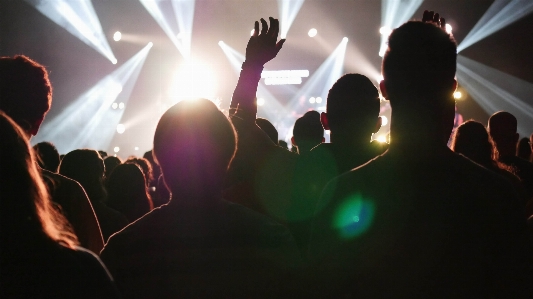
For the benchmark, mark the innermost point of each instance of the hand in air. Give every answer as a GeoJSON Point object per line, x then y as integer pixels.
{"type": "Point", "coordinates": [264, 45]}
{"type": "Point", "coordinates": [432, 17]}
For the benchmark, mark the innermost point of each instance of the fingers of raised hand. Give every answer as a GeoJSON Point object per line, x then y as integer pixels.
{"type": "Point", "coordinates": [264, 27]}
{"type": "Point", "coordinates": [256, 28]}
{"type": "Point", "coordinates": [274, 28]}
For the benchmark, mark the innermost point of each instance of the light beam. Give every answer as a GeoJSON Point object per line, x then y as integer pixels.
{"type": "Point", "coordinates": [288, 9]}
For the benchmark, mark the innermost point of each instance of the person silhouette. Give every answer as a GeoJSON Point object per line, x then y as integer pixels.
{"type": "Point", "coordinates": [199, 245]}
{"type": "Point", "coordinates": [420, 220]}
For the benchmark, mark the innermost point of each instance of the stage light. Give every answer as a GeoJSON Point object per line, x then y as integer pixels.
{"type": "Point", "coordinates": [288, 9]}
{"type": "Point", "coordinates": [393, 14]}
{"type": "Point", "coordinates": [183, 16]}
{"type": "Point", "coordinates": [494, 91]}
{"type": "Point", "coordinates": [345, 39]}
{"type": "Point", "coordinates": [312, 32]}
{"type": "Point", "coordinates": [500, 14]}
{"type": "Point", "coordinates": [312, 100]}
{"type": "Point", "coordinates": [457, 95]}
{"type": "Point", "coordinates": [136, 148]}
{"type": "Point", "coordinates": [78, 18]}
{"type": "Point", "coordinates": [380, 78]}
{"type": "Point", "coordinates": [384, 120]}
{"type": "Point", "coordinates": [381, 139]}
{"type": "Point", "coordinates": [150, 45]}
{"type": "Point", "coordinates": [260, 102]}
{"type": "Point", "coordinates": [88, 122]}
{"type": "Point", "coordinates": [193, 79]}
{"type": "Point", "coordinates": [114, 105]}
{"type": "Point", "coordinates": [121, 128]}
{"type": "Point", "coordinates": [449, 28]}
{"type": "Point", "coordinates": [117, 36]}
{"type": "Point", "coordinates": [121, 105]}
{"type": "Point", "coordinates": [318, 100]}
{"type": "Point", "coordinates": [116, 149]}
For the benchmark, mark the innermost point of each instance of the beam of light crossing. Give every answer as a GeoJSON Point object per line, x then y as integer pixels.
{"type": "Point", "coordinates": [272, 109]}
{"type": "Point", "coordinates": [499, 15]}
{"type": "Point", "coordinates": [89, 122]}
{"type": "Point", "coordinates": [288, 9]}
{"type": "Point", "coordinates": [393, 14]}
{"type": "Point", "coordinates": [80, 19]}
{"type": "Point", "coordinates": [494, 90]}
{"type": "Point", "coordinates": [183, 11]}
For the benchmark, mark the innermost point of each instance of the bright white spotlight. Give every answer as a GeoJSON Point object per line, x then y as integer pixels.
{"type": "Point", "coordinates": [116, 149]}
{"type": "Point", "coordinates": [382, 139]}
{"type": "Point", "coordinates": [117, 36]}
{"type": "Point", "coordinates": [150, 45]}
{"type": "Point", "coordinates": [121, 105]}
{"type": "Point", "coordinates": [386, 31]}
{"type": "Point", "coordinates": [260, 102]}
{"type": "Point", "coordinates": [183, 16]}
{"type": "Point", "coordinates": [312, 32]}
{"type": "Point", "coordinates": [136, 148]}
{"type": "Point", "coordinates": [193, 79]}
{"type": "Point", "coordinates": [114, 61]}
{"type": "Point", "coordinates": [121, 128]}
{"type": "Point", "coordinates": [312, 100]}
{"type": "Point", "coordinates": [220, 43]}
{"type": "Point", "coordinates": [384, 120]}
{"type": "Point", "coordinates": [449, 28]}
{"type": "Point", "coordinates": [288, 9]}
{"type": "Point", "coordinates": [345, 39]}
{"type": "Point", "coordinates": [500, 14]}
{"type": "Point", "coordinates": [457, 95]}
{"type": "Point", "coordinates": [318, 100]}
{"type": "Point", "coordinates": [80, 19]}
{"type": "Point", "coordinates": [88, 122]}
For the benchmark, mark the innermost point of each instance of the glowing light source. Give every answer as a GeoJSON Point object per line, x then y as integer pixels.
{"type": "Point", "coordinates": [457, 95]}
{"type": "Point", "coordinates": [136, 148]}
{"type": "Point", "coordinates": [116, 149]}
{"type": "Point", "coordinates": [312, 32]}
{"type": "Point", "coordinates": [114, 105]}
{"type": "Point", "coordinates": [80, 19]}
{"type": "Point", "coordinates": [121, 105]}
{"type": "Point", "coordinates": [449, 28]}
{"type": "Point", "coordinates": [393, 14]}
{"type": "Point", "coordinates": [193, 79]}
{"type": "Point", "coordinates": [117, 36]}
{"type": "Point", "coordinates": [121, 128]}
{"type": "Point", "coordinates": [384, 122]}
{"type": "Point", "coordinates": [318, 100]}
{"type": "Point", "coordinates": [382, 139]}
{"type": "Point", "coordinates": [183, 15]}
{"type": "Point", "coordinates": [88, 122]}
{"type": "Point", "coordinates": [260, 102]}
{"type": "Point", "coordinates": [312, 100]}
{"type": "Point", "coordinates": [500, 14]}
{"type": "Point", "coordinates": [288, 9]}
{"type": "Point", "coordinates": [494, 90]}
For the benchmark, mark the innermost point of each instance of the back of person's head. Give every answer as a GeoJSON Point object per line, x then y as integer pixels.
{"type": "Point", "coordinates": [268, 128]}
{"type": "Point", "coordinates": [25, 91]}
{"type": "Point", "coordinates": [47, 156]}
{"type": "Point", "coordinates": [502, 128]}
{"type": "Point", "coordinates": [26, 212]}
{"type": "Point", "coordinates": [473, 141]}
{"type": "Point", "coordinates": [103, 154]}
{"type": "Point", "coordinates": [156, 170]}
{"type": "Point", "coordinates": [352, 106]}
{"type": "Point", "coordinates": [523, 149]}
{"type": "Point", "coordinates": [87, 168]}
{"type": "Point", "coordinates": [127, 192]}
{"type": "Point", "coordinates": [145, 166]}
{"type": "Point", "coordinates": [110, 163]}
{"type": "Point", "coordinates": [194, 143]}
{"type": "Point", "coordinates": [308, 131]}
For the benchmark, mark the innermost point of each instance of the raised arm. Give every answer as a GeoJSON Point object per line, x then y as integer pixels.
{"type": "Point", "coordinates": [262, 47]}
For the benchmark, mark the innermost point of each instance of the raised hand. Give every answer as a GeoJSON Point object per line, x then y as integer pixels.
{"type": "Point", "coordinates": [432, 17]}
{"type": "Point", "coordinates": [264, 45]}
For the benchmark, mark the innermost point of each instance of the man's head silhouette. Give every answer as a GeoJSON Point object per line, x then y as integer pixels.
{"type": "Point", "coordinates": [419, 80]}
{"type": "Point", "coordinates": [194, 144]}
{"type": "Point", "coordinates": [502, 128]}
{"type": "Point", "coordinates": [352, 108]}
{"type": "Point", "coordinates": [25, 92]}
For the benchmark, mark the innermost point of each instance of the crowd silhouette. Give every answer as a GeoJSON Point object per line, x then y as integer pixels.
{"type": "Point", "coordinates": [221, 209]}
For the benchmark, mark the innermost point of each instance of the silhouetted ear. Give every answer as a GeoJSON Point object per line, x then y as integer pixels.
{"type": "Point", "coordinates": [384, 89]}
{"type": "Point", "coordinates": [324, 120]}
{"type": "Point", "coordinates": [293, 142]}
{"type": "Point", "coordinates": [378, 124]}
